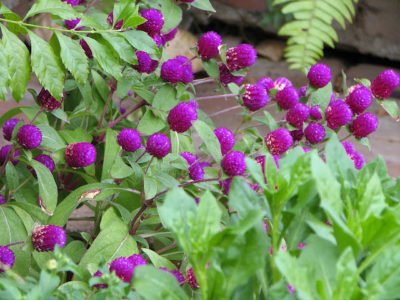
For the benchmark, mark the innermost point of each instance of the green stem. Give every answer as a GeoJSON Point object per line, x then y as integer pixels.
{"type": "Point", "coordinates": [21, 23]}
{"type": "Point", "coordinates": [275, 245]}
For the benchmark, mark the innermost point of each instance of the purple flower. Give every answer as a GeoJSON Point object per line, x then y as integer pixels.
{"type": "Point", "coordinates": [278, 141]}
{"type": "Point", "coordinates": [169, 36]}
{"type": "Point", "coordinates": [226, 185]}
{"type": "Point", "coordinates": [129, 139]}
{"type": "Point", "coordinates": [297, 134]}
{"type": "Point", "coordinates": [187, 1]}
{"type": "Point", "coordinates": [154, 21]}
{"type": "Point", "coordinates": [99, 285]}
{"type": "Point", "coordinates": [157, 39]}
{"type": "Point", "coordinates": [145, 63]}
{"type": "Point", "coordinates": [297, 115]}
{"type": "Point", "coordinates": [2, 199]}
{"type": "Point", "coordinates": [29, 136]}
{"type": "Point", "coordinates": [189, 157]}
{"type": "Point", "coordinates": [80, 155]}
{"type": "Point", "coordinates": [123, 268]}
{"type": "Point", "coordinates": [73, 2]}
{"type": "Point", "coordinates": [281, 83]}
{"type": "Point", "coordinates": [364, 125]}
{"type": "Point", "coordinates": [181, 117]}
{"type": "Point", "coordinates": [338, 114]}
{"type": "Point", "coordinates": [208, 45]}
{"type": "Point", "coordinates": [314, 133]}
{"type": "Point", "coordinates": [191, 279]}
{"type": "Point", "coordinates": [226, 139]}
{"type": "Point", "coordinates": [384, 85]}
{"type": "Point", "coordinates": [46, 237]}
{"type": "Point", "coordinates": [7, 258]}
{"type": "Point", "coordinates": [234, 163]}
{"type": "Point", "coordinates": [287, 98]}
{"type": "Point", "coordinates": [302, 91]}
{"type": "Point", "coordinates": [177, 70]}
{"type": "Point", "coordinates": [137, 260]}
{"type": "Point", "coordinates": [47, 161]}
{"type": "Point", "coordinates": [356, 157]}
{"type": "Point", "coordinates": [226, 77]}
{"type": "Point", "coordinates": [4, 152]}
{"type": "Point", "coordinates": [267, 83]}
{"type": "Point", "coordinates": [359, 99]}
{"type": "Point", "coordinates": [110, 21]}
{"type": "Point", "coordinates": [196, 171]}
{"type": "Point", "coordinates": [319, 75]}
{"type": "Point", "coordinates": [71, 24]}
{"type": "Point", "coordinates": [315, 113]}
{"type": "Point", "coordinates": [8, 128]}
{"type": "Point", "coordinates": [291, 289]}
{"type": "Point", "coordinates": [301, 246]}
{"type": "Point", "coordinates": [47, 101]}
{"type": "Point", "coordinates": [86, 48]}
{"type": "Point", "coordinates": [178, 275]}
{"type": "Point", "coordinates": [158, 145]}
{"type": "Point", "coordinates": [254, 97]}
{"type": "Point", "coordinates": [241, 56]}
{"type": "Point", "coordinates": [348, 147]}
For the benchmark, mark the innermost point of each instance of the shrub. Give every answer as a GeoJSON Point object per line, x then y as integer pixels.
{"type": "Point", "coordinates": [179, 208]}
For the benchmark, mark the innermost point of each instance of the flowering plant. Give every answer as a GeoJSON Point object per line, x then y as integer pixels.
{"type": "Point", "coordinates": [177, 207]}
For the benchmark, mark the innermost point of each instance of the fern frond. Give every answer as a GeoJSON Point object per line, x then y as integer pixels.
{"type": "Point", "coordinates": [311, 27]}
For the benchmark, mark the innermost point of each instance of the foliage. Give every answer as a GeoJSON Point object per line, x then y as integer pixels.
{"type": "Point", "coordinates": [311, 27]}
{"type": "Point", "coordinates": [309, 227]}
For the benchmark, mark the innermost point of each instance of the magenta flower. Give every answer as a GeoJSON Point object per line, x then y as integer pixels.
{"type": "Point", "coordinates": [278, 141]}
{"type": "Point", "coordinates": [226, 77]}
{"type": "Point", "coordinates": [8, 128]}
{"type": "Point", "coordinates": [47, 101]}
{"type": "Point", "coordinates": [158, 145]}
{"type": "Point", "coordinates": [359, 99]}
{"type": "Point", "coordinates": [384, 85]}
{"type": "Point", "coordinates": [240, 57]}
{"type": "Point", "coordinates": [255, 97]}
{"type": "Point", "coordinates": [129, 139]}
{"type": "Point", "coordinates": [29, 136]}
{"type": "Point", "coordinates": [80, 155]}
{"type": "Point", "coordinates": [226, 139]}
{"type": "Point", "coordinates": [154, 21]}
{"type": "Point", "coordinates": [287, 97]}
{"type": "Point", "coordinates": [297, 115]}
{"type": "Point", "coordinates": [364, 125]}
{"type": "Point", "coordinates": [145, 63]}
{"type": "Point", "coordinates": [338, 114]}
{"type": "Point", "coordinates": [181, 117]}
{"type": "Point", "coordinates": [319, 75]}
{"type": "Point", "coordinates": [208, 44]}
{"type": "Point", "coordinates": [47, 237]}
{"type": "Point", "coordinates": [234, 163]}
{"type": "Point", "coordinates": [7, 258]}
{"type": "Point", "coordinates": [314, 133]}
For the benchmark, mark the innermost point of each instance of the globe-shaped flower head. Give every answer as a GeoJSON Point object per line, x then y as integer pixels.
{"type": "Point", "coordinates": [154, 21]}
{"type": "Point", "coordinates": [241, 56]}
{"type": "Point", "coordinates": [385, 83]}
{"type": "Point", "coordinates": [226, 139]}
{"type": "Point", "coordinates": [178, 275]}
{"type": "Point", "coordinates": [297, 115]}
{"type": "Point", "coordinates": [287, 98]}
{"type": "Point", "coordinates": [338, 114]}
{"type": "Point", "coordinates": [158, 145]}
{"type": "Point", "coordinates": [267, 83]}
{"type": "Point", "coordinates": [364, 125]}
{"type": "Point", "coordinates": [359, 99]}
{"type": "Point", "coordinates": [234, 163]}
{"type": "Point", "coordinates": [80, 155]}
{"type": "Point", "coordinates": [5, 153]}
{"type": "Point", "coordinates": [315, 113]}
{"type": "Point", "coordinates": [2, 199]}
{"type": "Point", "coordinates": [129, 139]}
{"type": "Point", "coordinates": [47, 101]}
{"type": "Point", "coordinates": [8, 128]}
{"type": "Point", "coordinates": [226, 77]}
{"type": "Point", "coordinates": [7, 258]}
{"type": "Point", "coordinates": [254, 97]}
{"type": "Point", "coordinates": [46, 237]}
{"type": "Point", "coordinates": [145, 63]}
{"type": "Point", "coordinates": [208, 44]}
{"type": "Point", "coordinates": [169, 36]}
{"type": "Point", "coordinates": [29, 136]}
{"type": "Point", "coordinates": [123, 268]}
{"type": "Point", "coordinates": [176, 70]}
{"type": "Point", "coordinates": [278, 141]}
{"type": "Point", "coordinates": [47, 161]}
{"type": "Point", "coordinates": [314, 133]}
{"type": "Point", "coordinates": [182, 116]}
{"type": "Point", "coordinates": [319, 75]}
{"type": "Point", "coordinates": [72, 24]}
{"type": "Point", "coordinates": [191, 279]}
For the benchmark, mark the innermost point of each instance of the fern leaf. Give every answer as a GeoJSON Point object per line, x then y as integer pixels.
{"type": "Point", "coordinates": [311, 27]}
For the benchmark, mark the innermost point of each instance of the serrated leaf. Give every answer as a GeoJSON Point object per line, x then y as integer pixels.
{"type": "Point", "coordinates": [19, 68]}
{"type": "Point", "coordinates": [105, 57]}
{"type": "Point", "coordinates": [47, 66]}
{"type": "Point", "coordinates": [121, 46]}
{"type": "Point", "coordinates": [54, 7]}
{"type": "Point", "coordinates": [74, 58]}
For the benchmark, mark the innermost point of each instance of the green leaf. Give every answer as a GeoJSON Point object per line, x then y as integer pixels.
{"type": "Point", "coordinates": [150, 186]}
{"type": "Point", "coordinates": [4, 77]}
{"type": "Point", "coordinates": [19, 67]}
{"type": "Point", "coordinates": [372, 201]}
{"type": "Point", "coordinates": [74, 58]}
{"type": "Point", "coordinates": [151, 283]}
{"type": "Point", "coordinates": [111, 151]}
{"type": "Point", "coordinates": [113, 241]}
{"type": "Point", "coordinates": [47, 66]}
{"type": "Point", "coordinates": [75, 136]}
{"type": "Point", "coordinates": [121, 46]}
{"type": "Point", "coordinates": [50, 138]}
{"type": "Point", "coordinates": [120, 170]}
{"type": "Point", "coordinates": [13, 229]}
{"type": "Point", "coordinates": [150, 123]}
{"type": "Point", "coordinates": [322, 96]}
{"type": "Point", "coordinates": [171, 9]}
{"type": "Point", "coordinates": [12, 177]}
{"type": "Point", "coordinates": [210, 140]}
{"type": "Point", "coordinates": [47, 186]}
{"type": "Point", "coordinates": [105, 57]}
{"type": "Point", "coordinates": [140, 40]}
{"type": "Point", "coordinates": [392, 108]}
{"type": "Point", "coordinates": [54, 7]}
{"type": "Point", "coordinates": [211, 68]}
{"type": "Point", "coordinates": [165, 99]}
{"type": "Point", "coordinates": [203, 5]}
{"type": "Point", "coordinates": [346, 276]}
{"type": "Point", "coordinates": [60, 114]}
{"type": "Point", "coordinates": [159, 261]}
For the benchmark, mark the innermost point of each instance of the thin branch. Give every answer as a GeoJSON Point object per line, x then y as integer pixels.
{"type": "Point", "coordinates": [166, 248]}
{"type": "Point", "coordinates": [215, 97]}
{"type": "Point", "coordinates": [127, 113]}
{"type": "Point", "coordinates": [108, 101]}
{"type": "Point", "coordinates": [225, 110]}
